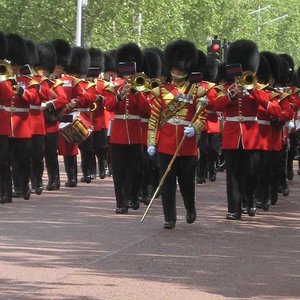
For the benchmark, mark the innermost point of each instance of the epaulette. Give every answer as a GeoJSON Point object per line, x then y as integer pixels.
{"type": "Point", "coordinates": [57, 83]}
{"type": "Point", "coordinates": [77, 80]}
{"type": "Point", "coordinates": [108, 86]}
{"type": "Point", "coordinates": [90, 85]}
{"type": "Point", "coordinates": [33, 82]}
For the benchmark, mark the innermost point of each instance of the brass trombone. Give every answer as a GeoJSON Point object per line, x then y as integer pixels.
{"type": "Point", "coordinates": [139, 82]}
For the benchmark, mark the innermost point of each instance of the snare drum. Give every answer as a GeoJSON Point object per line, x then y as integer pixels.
{"type": "Point", "coordinates": [78, 130]}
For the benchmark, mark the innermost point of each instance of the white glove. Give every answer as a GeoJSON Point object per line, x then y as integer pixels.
{"type": "Point", "coordinates": [203, 100]}
{"type": "Point", "coordinates": [43, 105]}
{"type": "Point", "coordinates": [189, 131]}
{"type": "Point", "coordinates": [151, 150]}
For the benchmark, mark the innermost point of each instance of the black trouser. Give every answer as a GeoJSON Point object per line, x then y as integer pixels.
{"type": "Point", "coordinates": [209, 146]}
{"type": "Point", "coordinates": [37, 161]}
{"type": "Point", "coordinates": [21, 156]}
{"type": "Point", "coordinates": [183, 168]}
{"type": "Point", "coordinates": [5, 176]}
{"type": "Point", "coordinates": [282, 167]}
{"type": "Point", "coordinates": [86, 151]}
{"type": "Point", "coordinates": [241, 172]}
{"type": "Point", "coordinates": [100, 146]}
{"type": "Point", "coordinates": [268, 175]}
{"type": "Point", "coordinates": [127, 166]}
{"type": "Point", "coordinates": [291, 153]}
{"type": "Point", "coordinates": [51, 158]}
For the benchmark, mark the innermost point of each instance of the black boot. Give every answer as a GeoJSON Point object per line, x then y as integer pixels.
{"type": "Point", "coordinates": [71, 170]}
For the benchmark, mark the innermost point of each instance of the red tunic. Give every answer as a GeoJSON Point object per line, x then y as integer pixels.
{"type": "Point", "coordinates": [126, 126]}
{"type": "Point", "coordinates": [19, 106]}
{"type": "Point", "coordinates": [167, 134]}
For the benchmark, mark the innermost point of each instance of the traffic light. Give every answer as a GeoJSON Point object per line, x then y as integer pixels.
{"type": "Point", "coordinates": [214, 48]}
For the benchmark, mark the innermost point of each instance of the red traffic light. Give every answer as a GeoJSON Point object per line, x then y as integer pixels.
{"type": "Point", "coordinates": [215, 47]}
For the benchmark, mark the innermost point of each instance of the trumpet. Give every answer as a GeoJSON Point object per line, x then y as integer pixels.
{"type": "Point", "coordinates": [155, 82]}
{"type": "Point", "coordinates": [139, 82]}
{"type": "Point", "coordinates": [5, 70]}
{"type": "Point", "coordinates": [248, 80]}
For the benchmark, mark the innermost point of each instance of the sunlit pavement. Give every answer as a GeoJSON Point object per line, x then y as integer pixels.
{"type": "Point", "coordinates": [70, 244]}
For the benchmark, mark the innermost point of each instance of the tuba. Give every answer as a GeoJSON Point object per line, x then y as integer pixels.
{"type": "Point", "coordinates": [5, 70]}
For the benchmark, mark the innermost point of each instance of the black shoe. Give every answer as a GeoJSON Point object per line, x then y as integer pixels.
{"type": "Point", "coordinates": [52, 187]}
{"type": "Point", "coordinates": [26, 194]}
{"type": "Point", "coordinates": [86, 179]}
{"type": "Point", "coordinates": [146, 200]}
{"type": "Point", "coordinates": [233, 216]}
{"type": "Point", "coordinates": [16, 194]}
{"type": "Point", "coordinates": [102, 174]}
{"type": "Point", "coordinates": [122, 210]}
{"type": "Point", "coordinates": [5, 199]}
{"type": "Point", "coordinates": [259, 204]}
{"type": "Point", "coordinates": [134, 204]}
{"type": "Point", "coordinates": [212, 177]}
{"type": "Point", "coordinates": [191, 217]}
{"type": "Point", "coordinates": [285, 191]}
{"type": "Point", "coordinates": [251, 211]}
{"type": "Point", "coordinates": [201, 180]}
{"type": "Point", "coordinates": [93, 176]}
{"type": "Point", "coordinates": [298, 172]}
{"type": "Point", "coordinates": [266, 205]}
{"type": "Point", "coordinates": [244, 210]}
{"type": "Point", "coordinates": [71, 183]}
{"type": "Point", "coordinates": [38, 190]}
{"type": "Point", "coordinates": [169, 225]}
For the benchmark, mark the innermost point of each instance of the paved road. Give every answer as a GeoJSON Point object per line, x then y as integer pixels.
{"type": "Point", "coordinates": [70, 245]}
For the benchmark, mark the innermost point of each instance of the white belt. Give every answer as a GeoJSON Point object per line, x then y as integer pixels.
{"type": "Point", "coordinates": [15, 109]}
{"type": "Point", "coordinates": [240, 119]}
{"type": "Point", "coordinates": [127, 117]}
{"type": "Point", "coordinates": [35, 107]}
{"type": "Point", "coordinates": [1, 106]}
{"type": "Point", "coordinates": [84, 109]}
{"type": "Point", "coordinates": [264, 122]}
{"type": "Point", "coordinates": [144, 120]}
{"type": "Point", "coordinates": [178, 122]}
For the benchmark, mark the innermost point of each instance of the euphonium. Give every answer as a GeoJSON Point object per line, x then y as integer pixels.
{"type": "Point", "coordinates": [5, 70]}
{"type": "Point", "coordinates": [140, 82]}
{"type": "Point", "coordinates": [248, 80]}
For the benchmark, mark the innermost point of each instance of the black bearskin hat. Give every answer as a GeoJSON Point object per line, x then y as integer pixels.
{"type": "Point", "coordinates": [161, 55]}
{"type": "Point", "coordinates": [17, 50]}
{"type": "Point", "coordinates": [3, 46]}
{"type": "Point", "coordinates": [222, 74]}
{"type": "Point", "coordinates": [291, 64]}
{"type": "Point", "coordinates": [274, 63]}
{"type": "Point", "coordinates": [130, 52]}
{"type": "Point", "coordinates": [80, 61]}
{"type": "Point", "coordinates": [109, 61]}
{"type": "Point", "coordinates": [181, 54]}
{"type": "Point", "coordinates": [97, 59]}
{"type": "Point", "coordinates": [46, 57]}
{"type": "Point", "coordinates": [211, 69]}
{"type": "Point", "coordinates": [32, 53]}
{"type": "Point", "coordinates": [63, 52]}
{"type": "Point", "coordinates": [264, 71]}
{"type": "Point", "coordinates": [152, 63]}
{"type": "Point", "coordinates": [200, 65]}
{"type": "Point", "coordinates": [285, 72]}
{"type": "Point", "coordinates": [244, 52]}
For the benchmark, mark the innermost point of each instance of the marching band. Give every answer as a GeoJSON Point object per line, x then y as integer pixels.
{"type": "Point", "coordinates": [143, 117]}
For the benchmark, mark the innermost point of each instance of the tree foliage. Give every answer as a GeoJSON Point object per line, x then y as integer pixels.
{"type": "Point", "coordinates": [272, 24]}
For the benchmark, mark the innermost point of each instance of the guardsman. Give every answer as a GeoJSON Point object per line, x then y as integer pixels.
{"type": "Point", "coordinates": [177, 117]}
{"type": "Point", "coordinates": [5, 130]}
{"type": "Point", "coordinates": [79, 101]}
{"type": "Point", "coordinates": [26, 93]}
{"type": "Point", "coordinates": [56, 107]}
{"type": "Point", "coordinates": [125, 136]}
{"type": "Point", "coordinates": [103, 89]}
{"type": "Point", "coordinates": [241, 140]}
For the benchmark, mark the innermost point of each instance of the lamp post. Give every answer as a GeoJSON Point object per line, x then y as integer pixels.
{"type": "Point", "coordinates": [79, 20]}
